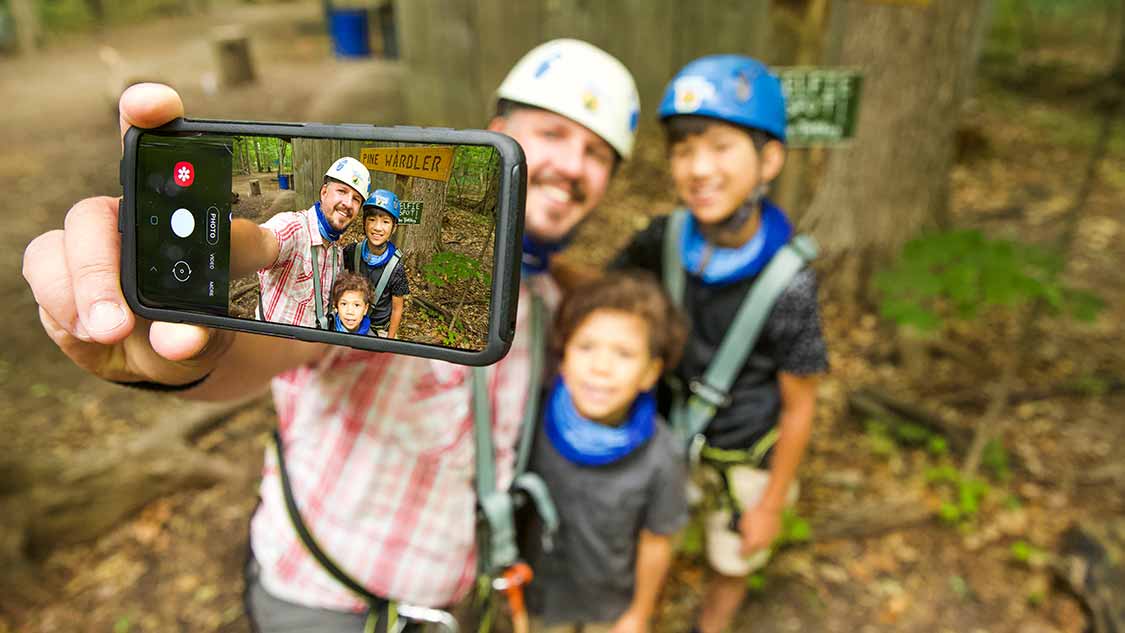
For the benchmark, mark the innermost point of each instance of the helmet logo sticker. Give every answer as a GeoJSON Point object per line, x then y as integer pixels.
{"type": "Point", "coordinates": [340, 165]}
{"type": "Point", "coordinates": [691, 92]}
{"type": "Point", "coordinates": [545, 65]}
{"type": "Point", "coordinates": [590, 99]}
{"type": "Point", "coordinates": [742, 88]}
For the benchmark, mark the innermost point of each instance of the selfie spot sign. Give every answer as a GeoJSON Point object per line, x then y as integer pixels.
{"type": "Point", "coordinates": [410, 211]}
{"type": "Point", "coordinates": [822, 104]}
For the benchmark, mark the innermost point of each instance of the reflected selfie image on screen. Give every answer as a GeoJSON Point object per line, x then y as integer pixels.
{"type": "Point", "coordinates": [372, 238]}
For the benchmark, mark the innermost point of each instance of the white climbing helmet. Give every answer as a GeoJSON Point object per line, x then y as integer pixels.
{"type": "Point", "coordinates": [581, 82]}
{"type": "Point", "coordinates": [352, 173]}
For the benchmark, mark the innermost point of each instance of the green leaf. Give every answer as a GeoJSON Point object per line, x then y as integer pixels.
{"type": "Point", "coordinates": [937, 446]}
{"type": "Point", "coordinates": [949, 512]}
{"type": "Point", "coordinates": [756, 582]}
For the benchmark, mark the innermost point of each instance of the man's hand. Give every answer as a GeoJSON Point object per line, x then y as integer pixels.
{"type": "Point", "coordinates": [759, 526]}
{"type": "Point", "coordinates": [630, 622]}
{"type": "Point", "coordinates": [74, 274]}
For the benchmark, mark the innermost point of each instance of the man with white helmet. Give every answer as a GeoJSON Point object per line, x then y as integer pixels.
{"type": "Point", "coordinates": [295, 253]}
{"type": "Point", "coordinates": [377, 448]}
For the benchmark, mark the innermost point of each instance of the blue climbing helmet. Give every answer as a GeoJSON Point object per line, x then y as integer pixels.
{"type": "Point", "coordinates": [731, 88]}
{"type": "Point", "coordinates": [384, 200]}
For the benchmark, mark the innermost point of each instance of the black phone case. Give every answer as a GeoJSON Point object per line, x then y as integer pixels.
{"type": "Point", "coordinates": [506, 254]}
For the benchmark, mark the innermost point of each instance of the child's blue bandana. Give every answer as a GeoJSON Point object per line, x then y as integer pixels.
{"type": "Point", "coordinates": [364, 326]}
{"type": "Point", "coordinates": [373, 260]}
{"type": "Point", "coordinates": [588, 443]}
{"type": "Point", "coordinates": [326, 230]}
{"type": "Point", "coordinates": [537, 256]}
{"type": "Point", "coordinates": [727, 265]}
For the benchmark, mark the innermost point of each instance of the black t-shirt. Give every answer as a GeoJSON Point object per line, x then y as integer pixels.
{"type": "Point", "coordinates": [790, 341]}
{"type": "Point", "coordinates": [397, 286]}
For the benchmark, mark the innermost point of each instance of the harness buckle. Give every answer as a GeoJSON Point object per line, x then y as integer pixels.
{"type": "Point", "coordinates": [711, 395]}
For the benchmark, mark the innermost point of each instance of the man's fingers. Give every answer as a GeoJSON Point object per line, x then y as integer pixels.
{"type": "Point", "coordinates": [149, 105]}
{"type": "Point", "coordinates": [44, 268]}
{"type": "Point", "coordinates": [92, 249]}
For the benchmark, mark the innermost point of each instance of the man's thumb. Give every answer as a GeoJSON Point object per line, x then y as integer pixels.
{"type": "Point", "coordinates": [178, 341]}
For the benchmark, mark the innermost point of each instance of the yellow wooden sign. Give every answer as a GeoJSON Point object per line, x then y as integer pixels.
{"type": "Point", "coordinates": [433, 163]}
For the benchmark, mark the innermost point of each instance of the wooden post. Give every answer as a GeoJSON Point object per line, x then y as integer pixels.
{"type": "Point", "coordinates": [232, 56]}
{"type": "Point", "coordinates": [255, 187]}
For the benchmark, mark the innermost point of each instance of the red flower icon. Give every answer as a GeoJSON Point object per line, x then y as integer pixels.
{"type": "Point", "coordinates": [183, 173]}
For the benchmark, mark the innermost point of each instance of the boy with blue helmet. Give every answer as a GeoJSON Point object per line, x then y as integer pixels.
{"type": "Point", "coordinates": [745, 391]}
{"type": "Point", "coordinates": [376, 258]}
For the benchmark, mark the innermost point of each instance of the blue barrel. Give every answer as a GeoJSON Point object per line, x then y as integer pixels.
{"type": "Point", "coordinates": [349, 32]}
{"type": "Point", "coordinates": [283, 181]}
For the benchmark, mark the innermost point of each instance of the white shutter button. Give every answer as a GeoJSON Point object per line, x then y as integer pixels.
{"type": "Point", "coordinates": [183, 222]}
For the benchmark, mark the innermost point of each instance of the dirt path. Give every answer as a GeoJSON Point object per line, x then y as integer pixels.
{"type": "Point", "coordinates": [177, 566]}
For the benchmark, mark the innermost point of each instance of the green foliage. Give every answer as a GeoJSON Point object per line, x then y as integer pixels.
{"type": "Point", "coordinates": [794, 529]}
{"type": "Point", "coordinates": [1028, 554]}
{"type": "Point", "coordinates": [995, 459]}
{"type": "Point", "coordinates": [937, 446]}
{"type": "Point", "coordinates": [963, 495]}
{"type": "Point", "coordinates": [756, 582]}
{"type": "Point", "coordinates": [691, 543]}
{"type": "Point", "coordinates": [122, 625]}
{"type": "Point", "coordinates": [447, 268]}
{"type": "Point", "coordinates": [879, 441]}
{"type": "Point", "coordinates": [961, 273]}
{"type": "Point", "coordinates": [958, 585]}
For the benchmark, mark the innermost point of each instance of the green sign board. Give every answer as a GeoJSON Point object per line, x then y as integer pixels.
{"type": "Point", "coordinates": [410, 212]}
{"type": "Point", "coordinates": [822, 104]}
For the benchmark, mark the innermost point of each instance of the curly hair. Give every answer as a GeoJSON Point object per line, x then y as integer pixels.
{"type": "Point", "coordinates": [636, 293]}
{"type": "Point", "coordinates": [350, 281]}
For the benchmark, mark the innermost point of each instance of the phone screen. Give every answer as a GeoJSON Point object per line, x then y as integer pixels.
{"type": "Point", "coordinates": [183, 221]}
{"type": "Point", "coordinates": [422, 273]}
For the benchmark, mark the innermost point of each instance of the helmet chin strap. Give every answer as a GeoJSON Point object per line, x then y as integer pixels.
{"type": "Point", "coordinates": [735, 221]}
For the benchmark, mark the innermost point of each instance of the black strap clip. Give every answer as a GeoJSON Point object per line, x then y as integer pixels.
{"type": "Point", "coordinates": [711, 395]}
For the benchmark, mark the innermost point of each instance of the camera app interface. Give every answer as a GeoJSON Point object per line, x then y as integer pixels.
{"type": "Point", "coordinates": [373, 238]}
{"type": "Point", "coordinates": [183, 221]}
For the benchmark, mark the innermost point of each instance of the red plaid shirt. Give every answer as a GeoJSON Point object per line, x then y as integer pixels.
{"type": "Point", "coordinates": [380, 454]}
{"type": "Point", "coordinates": [287, 285]}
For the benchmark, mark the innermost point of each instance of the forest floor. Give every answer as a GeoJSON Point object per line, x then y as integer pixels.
{"type": "Point", "coordinates": [169, 569]}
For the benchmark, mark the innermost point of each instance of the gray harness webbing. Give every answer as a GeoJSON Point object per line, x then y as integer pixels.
{"type": "Point", "coordinates": [321, 316]}
{"type": "Point", "coordinates": [500, 548]}
{"type": "Point", "coordinates": [711, 391]}
{"type": "Point", "coordinates": [384, 277]}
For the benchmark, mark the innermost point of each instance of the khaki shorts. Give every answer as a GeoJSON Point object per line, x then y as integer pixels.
{"type": "Point", "coordinates": [537, 626]}
{"type": "Point", "coordinates": [722, 543]}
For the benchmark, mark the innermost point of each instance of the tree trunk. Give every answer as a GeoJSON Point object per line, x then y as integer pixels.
{"type": "Point", "coordinates": [892, 180]}
{"type": "Point", "coordinates": [25, 14]}
{"type": "Point", "coordinates": [258, 155]}
{"type": "Point", "coordinates": [420, 242]}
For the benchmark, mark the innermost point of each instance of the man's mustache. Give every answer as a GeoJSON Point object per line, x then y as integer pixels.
{"type": "Point", "coordinates": [574, 187]}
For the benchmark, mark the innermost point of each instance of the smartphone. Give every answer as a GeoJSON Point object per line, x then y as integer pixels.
{"type": "Point", "coordinates": [440, 281]}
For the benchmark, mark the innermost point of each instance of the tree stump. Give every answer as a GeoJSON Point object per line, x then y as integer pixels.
{"type": "Point", "coordinates": [255, 187]}
{"type": "Point", "coordinates": [232, 56]}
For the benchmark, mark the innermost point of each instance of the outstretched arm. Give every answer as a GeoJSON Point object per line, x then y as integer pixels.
{"type": "Point", "coordinates": [74, 274]}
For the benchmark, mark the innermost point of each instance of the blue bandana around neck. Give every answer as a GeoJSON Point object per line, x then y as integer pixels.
{"type": "Point", "coordinates": [374, 260]}
{"type": "Point", "coordinates": [364, 326]}
{"type": "Point", "coordinates": [326, 230]}
{"type": "Point", "coordinates": [587, 443]}
{"type": "Point", "coordinates": [727, 265]}
{"type": "Point", "coordinates": [537, 256]}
